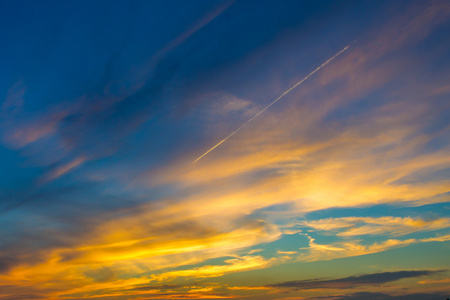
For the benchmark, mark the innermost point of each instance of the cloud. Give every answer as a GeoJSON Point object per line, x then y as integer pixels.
{"type": "Point", "coordinates": [352, 281]}
{"type": "Point", "coordinates": [225, 105]}
{"type": "Point", "coordinates": [255, 251]}
{"type": "Point", "coordinates": [445, 280]}
{"type": "Point", "coordinates": [324, 166]}
{"type": "Point", "coordinates": [101, 274]}
{"type": "Point", "coordinates": [21, 296]}
{"type": "Point", "coordinates": [354, 226]}
{"type": "Point", "coordinates": [273, 102]}
{"type": "Point", "coordinates": [344, 154]}
{"type": "Point", "coordinates": [41, 196]}
{"type": "Point", "coordinates": [239, 264]}
{"type": "Point", "coordinates": [7, 262]}
{"type": "Point", "coordinates": [248, 288]}
{"type": "Point", "coordinates": [166, 291]}
{"type": "Point", "coordinates": [14, 99]}
{"type": "Point", "coordinates": [286, 252]}
{"type": "Point", "coordinates": [442, 238]}
{"type": "Point", "coordinates": [143, 243]}
{"type": "Point", "coordinates": [199, 24]}
{"type": "Point", "coordinates": [155, 295]}
{"type": "Point", "coordinates": [93, 123]}
{"type": "Point", "coordinates": [348, 249]}
{"type": "Point", "coordinates": [63, 169]}
{"type": "Point", "coordinates": [159, 287]}
{"type": "Point", "coordinates": [383, 296]}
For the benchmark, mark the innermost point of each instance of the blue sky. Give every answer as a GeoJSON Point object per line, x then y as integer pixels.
{"type": "Point", "coordinates": [339, 190]}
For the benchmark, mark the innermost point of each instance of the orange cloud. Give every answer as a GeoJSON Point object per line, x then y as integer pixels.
{"type": "Point", "coordinates": [445, 280]}
{"type": "Point", "coordinates": [127, 246]}
{"type": "Point", "coordinates": [244, 263]}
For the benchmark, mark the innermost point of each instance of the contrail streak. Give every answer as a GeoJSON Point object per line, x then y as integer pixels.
{"type": "Point", "coordinates": [273, 102]}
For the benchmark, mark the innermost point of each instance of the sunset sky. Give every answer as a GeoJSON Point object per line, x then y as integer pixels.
{"type": "Point", "coordinates": [340, 189]}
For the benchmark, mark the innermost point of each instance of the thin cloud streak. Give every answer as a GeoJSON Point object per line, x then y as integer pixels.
{"type": "Point", "coordinates": [60, 171]}
{"type": "Point", "coordinates": [356, 226]}
{"type": "Point", "coordinates": [273, 102]}
{"type": "Point", "coordinates": [321, 252]}
{"type": "Point", "coordinates": [353, 281]}
{"type": "Point", "coordinates": [196, 27]}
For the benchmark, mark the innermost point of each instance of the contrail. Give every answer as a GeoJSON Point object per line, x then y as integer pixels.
{"type": "Point", "coordinates": [273, 102]}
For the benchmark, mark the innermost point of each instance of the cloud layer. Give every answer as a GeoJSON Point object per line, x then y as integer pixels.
{"type": "Point", "coordinates": [348, 175]}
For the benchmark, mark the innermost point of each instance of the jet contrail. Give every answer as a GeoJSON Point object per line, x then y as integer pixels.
{"type": "Point", "coordinates": [273, 102]}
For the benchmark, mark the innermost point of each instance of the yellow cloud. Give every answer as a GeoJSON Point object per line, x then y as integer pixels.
{"type": "Point", "coordinates": [352, 226]}
{"type": "Point", "coordinates": [244, 263]}
{"type": "Point", "coordinates": [348, 249]}
{"type": "Point", "coordinates": [128, 246]}
{"type": "Point", "coordinates": [442, 238]}
{"type": "Point", "coordinates": [249, 288]}
{"type": "Point", "coordinates": [335, 250]}
{"type": "Point", "coordinates": [286, 252]}
{"type": "Point", "coordinates": [445, 280]}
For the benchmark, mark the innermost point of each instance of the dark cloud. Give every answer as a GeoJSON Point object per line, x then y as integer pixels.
{"type": "Point", "coordinates": [25, 297]}
{"type": "Point", "coordinates": [352, 281]}
{"type": "Point", "coordinates": [52, 217]}
{"type": "Point", "coordinates": [6, 263]}
{"type": "Point", "coordinates": [152, 295]}
{"type": "Point", "coordinates": [43, 195]}
{"type": "Point", "coordinates": [14, 292]}
{"type": "Point", "coordinates": [382, 296]}
{"type": "Point", "coordinates": [101, 274]}
{"type": "Point", "coordinates": [159, 287]}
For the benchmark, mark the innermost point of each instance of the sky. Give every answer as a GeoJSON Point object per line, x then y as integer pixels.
{"type": "Point", "coordinates": [248, 149]}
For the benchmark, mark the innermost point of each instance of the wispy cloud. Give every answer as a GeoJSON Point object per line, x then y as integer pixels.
{"type": "Point", "coordinates": [127, 246]}
{"type": "Point", "coordinates": [63, 169]}
{"type": "Point", "coordinates": [273, 102]}
{"type": "Point", "coordinates": [86, 126]}
{"type": "Point", "coordinates": [442, 238]}
{"type": "Point", "coordinates": [445, 280]}
{"type": "Point", "coordinates": [353, 281]}
{"type": "Point", "coordinates": [194, 28]}
{"type": "Point", "coordinates": [342, 249]}
{"type": "Point", "coordinates": [354, 226]}
{"type": "Point", "coordinates": [384, 296]}
{"type": "Point", "coordinates": [14, 99]}
{"type": "Point", "coordinates": [349, 249]}
{"type": "Point", "coordinates": [239, 264]}
{"type": "Point", "coordinates": [330, 162]}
